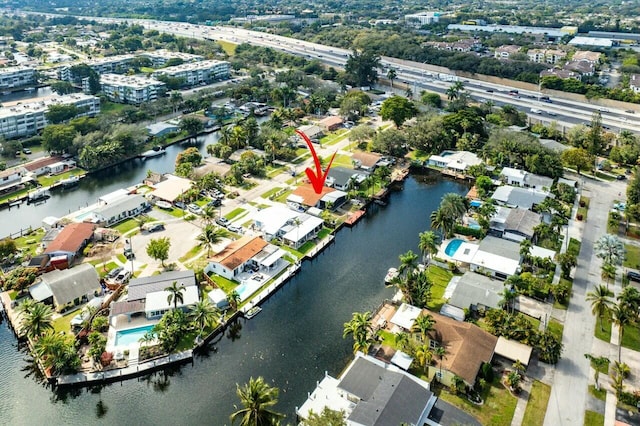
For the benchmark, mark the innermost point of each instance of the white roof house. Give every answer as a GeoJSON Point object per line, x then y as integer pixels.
{"type": "Point", "coordinates": [405, 316]}
{"type": "Point", "coordinates": [497, 256]}
{"type": "Point", "coordinates": [272, 219]}
{"type": "Point", "coordinates": [513, 196]}
{"type": "Point", "coordinates": [171, 188]}
{"type": "Point", "coordinates": [298, 233]}
{"type": "Point", "coordinates": [458, 161]}
{"type": "Point", "coordinates": [157, 301]}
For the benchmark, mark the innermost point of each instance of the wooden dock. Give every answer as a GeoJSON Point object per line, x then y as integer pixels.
{"type": "Point", "coordinates": [354, 217]}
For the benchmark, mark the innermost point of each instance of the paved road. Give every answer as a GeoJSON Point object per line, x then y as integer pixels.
{"type": "Point", "coordinates": [568, 394]}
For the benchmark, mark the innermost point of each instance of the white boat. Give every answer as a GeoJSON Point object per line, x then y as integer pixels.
{"type": "Point", "coordinates": [153, 152]}
{"type": "Point", "coordinates": [30, 89]}
{"type": "Point", "coordinates": [391, 274]}
{"type": "Point", "coordinates": [38, 194]}
{"type": "Point", "coordinates": [253, 312]}
{"type": "Point", "coordinates": [70, 181]}
{"type": "Point", "coordinates": [164, 205]}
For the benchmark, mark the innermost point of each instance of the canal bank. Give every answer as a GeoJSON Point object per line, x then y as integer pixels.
{"type": "Point", "coordinates": [296, 338]}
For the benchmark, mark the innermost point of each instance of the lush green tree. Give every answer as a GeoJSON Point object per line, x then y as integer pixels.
{"type": "Point", "coordinates": [257, 399]}
{"type": "Point", "coordinates": [423, 325]}
{"type": "Point", "coordinates": [391, 75]}
{"type": "Point", "coordinates": [550, 347]}
{"type": "Point", "coordinates": [57, 114]}
{"type": "Point", "coordinates": [408, 263]}
{"type": "Point", "coordinates": [424, 356]}
{"type": "Point", "coordinates": [594, 138]}
{"type": "Point", "coordinates": [431, 99]}
{"type": "Point", "coordinates": [189, 155]}
{"type": "Point", "coordinates": [361, 68]}
{"type": "Point", "coordinates": [7, 247]}
{"type": "Point", "coordinates": [97, 345]}
{"type": "Point", "coordinates": [35, 320]}
{"type": "Point", "coordinates": [20, 278]}
{"type": "Point", "coordinates": [361, 134]}
{"type": "Point", "coordinates": [192, 126]}
{"type": "Point", "coordinates": [601, 302]}
{"type": "Point", "coordinates": [430, 134]}
{"type": "Point", "coordinates": [578, 158]}
{"type": "Point", "coordinates": [327, 417]}
{"type": "Point", "coordinates": [175, 294]}
{"type": "Point", "coordinates": [598, 362]}
{"type": "Point", "coordinates": [621, 316]}
{"type": "Point", "coordinates": [210, 236]}
{"type": "Point", "coordinates": [234, 299]}
{"type": "Point", "coordinates": [610, 249]}
{"type": "Point", "coordinates": [398, 110]}
{"type": "Point", "coordinates": [442, 221]}
{"type": "Point", "coordinates": [391, 142]}
{"type": "Point", "coordinates": [454, 205]}
{"type": "Point", "coordinates": [171, 328]}
{"type": "Point", "coordinates": [204, 314]}
{"type": "Point", "coordinates": [567, 261]}
{"type": "Point", "coordinates": [57, 352]}
{"type": "Point", "coordinates": [428, 244]}
{"type": "Point", "coordinates": [58, 137]}
{"type": "Point", "coordinates": [100, 323]}
{"type": "Point", "coordinates": [633, 188]}
{"type": "Point", "coordinates": [158, 249]}
{"type": "Point", "coordinates": [62, 87]}
{"type": "Point", "coordinates": [360, 329]}
{"type": "Point", "coordinates": [354, 104]}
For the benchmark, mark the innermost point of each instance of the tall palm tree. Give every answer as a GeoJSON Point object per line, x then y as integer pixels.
{"type": "Point", "coordinates": [35, 320]}
{"type": "Point", "coordinates": [210, 236]}
{"type": "Point", "coordinates": [525, 249]}
{"type": "Point", "coordinates": [234, 299]}
{"type": "Point", "coordinates": [610, 249]}
{"type": "Point", "coordinates": [608, 272]}
{"type": "Point", "coordinates": [443, 222]}
{"type": "Point", "coordinates": [204, 314]}
{"type": "Point", "coordinates": [601, 302]}
{"type": "Point", "coordinates": [176, 293]}
{"type": "Point", "coordinates": [360, 328]}
{"type": "Point", "coordinates": [621, 317]}
{"type": "Point", "coordinates": [408, 263]}
{"type": "Point", "coordinates": [257, 399]}
{"type": "Point", "coordinates": [428, 245]}
{"type": "Point", "coordinates": [454, 204]}
{"type": "Point", "coordinates": [598, 363]}
{"type": "Point", "coordinates": [391, 75]}
{"type": "Point", "coordinates": [402, 284]}
{"type": "Point", "coordinates": [423, 325]}
{"type": "Point", "coordinates": [401, 340]}
{"type": "Point", "coordinates": [441, 353]}
{"type": "Point", "coordinates": [424, 356]}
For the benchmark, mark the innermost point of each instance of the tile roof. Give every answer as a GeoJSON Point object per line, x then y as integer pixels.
{"type": "Point", "coordinates": [308, 194]}
{"type": "Point", "coordinates": [239, 251]}
{"type": "Point", "coordinates": [367, 159]}
{"type": "Point", "coordinates": [71, 238]}
{"type": "Point", "coordinates": [42, 162]}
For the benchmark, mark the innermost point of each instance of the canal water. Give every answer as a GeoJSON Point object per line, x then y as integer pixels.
{"type": "Point", "coordinates": [292, 343]}
{"type": "Point", "coordinates": [64, 201]}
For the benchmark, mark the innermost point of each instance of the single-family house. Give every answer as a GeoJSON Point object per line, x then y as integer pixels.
{"type": "Point", "coordinates": [170, 188]}
{"type": "Point", "coordinates": [634, 82]}
{"type": "Point", "coordinates": [157, 130]}
{"type": "Point", "coordinates": [342, 178]}
{"type": "Point", "coordinates": [120, 209]}
{"type": "Point", "coordinates": [147, 296]}
{"type": "Point", "coordinates": [71, 241]}
{"type": "Point", "coordinates": [587, 55]}
{"type": "Point", "coordinates": [249, 253]}
{"type": "Point", "coordinates": [455, 163]}
{"type": "Point", "coordinates": [330, 123]}
{"type": "Point", "coordinates": [372, 392]}
{"type": "Point", "coordinates": [212, 165]}
{"type": "Point", "coordinates": [505, 51]}
{"type": "Point", "coordinates": [60, 167]}
{"type": "Point", "coordinates": [513, 196]}
{"type": "Point", "coordinates": [404, 317]}
{"type": "Point", "coordinates": [514, 224]}
{"type": "Point", "coordinates": [65, 287]}
{"type": "Point", "coordinates": [292, 227]}
{"type": "Point", "coordinates": [365, 160]}
{"type": "Point", "coordinates": [41, 166]}
{"type": "Point", "coordinates": [304, 197]}
{"type": "Point", "coordinates": [560, 73]}
{"type": "Point", "coordinates": [312, 131]}
{"type": "Point", "coordinates": [518, 177]}
{"type": "Point", "coordinates": [583, 67]}
{"type": "Point", "coordinates": [467, 347]}
{"type": "Point", "coordinates": [475, 292]}
{"type": "Point", "coordinates": [496, 257]}
{"type": "Point", "coordinates": [11, 178]}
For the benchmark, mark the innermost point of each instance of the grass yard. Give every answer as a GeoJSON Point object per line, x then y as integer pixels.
{"type": "Point", "coordinates": [342, 160]}
{"type": "Point", "coordinates": [537, 405]}
{"type": "Point", "coordinates": [30, 243]}
{"type": "Point", "coordinates": [63, 323]}
{"type": "Point", "coordinates": [388, 338]}
{"type": "Point", "coordinates": [418, 155]}
{"type": "Point", "coordinates": [574, 246]}
{"type": "Point", "coordinates": [560, 305]}
{"type": "Point", "coordinates": [591, 418]}
{"type": "Point", "coordinates": [632, 259]}
{"type": "Point", "coordinates": [556, 328]}
{"type": "Point", "coordinates": [598, 394]}
{"type": "Point", "coordinates": [235, 213]}
{"type": "Point", "coordinates": [334, 138]}
{"type": "Point", "coordinates": [126, 226]}
{"type": "Point", "coordinates": [223, 283]}
{"type": "Point", "coordinates": [191, 253]}
{"type": "Point", "coordinates": [270, 192]}
{"type": "Point", "coordinates": [440, 278]}
{"type": "Point", "coordinates": [47, 180]}
{"type": "Point", "coordinates": [606, 325]}
{"type": "Point", "coordinates": [107, 107]}
{"type": "Point", "coordinates": [228, 47]}
{"type": "Point", "coordinates": [631, 337]}
{"type": "Point", "coordinates": [15, 195]}
{"type": "Point", "coordinates": [282, 198]}
{"type": "Point", "coordinates": [498, 408]}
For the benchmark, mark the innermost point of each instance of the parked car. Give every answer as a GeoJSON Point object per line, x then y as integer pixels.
{"type": "Point", "coordinates": [123, 277]}
{"type": "Point", "coordinates": [180, 205]}
{"type": "Point", "coordinates": [633, 276]}
{"type": "Point", "coordinates": [155, 227]}
{"type": "Point", "coordinates": [26, 150]}
{"type": "Point", "coordinates": [621, 177]}
{"type": "Point", "coordinates": [222, 221]}
{"type": "Point", "coordinates": [234, 228]}
{"type": "Point", "coordinates": [113, 273]}
{"type": "Point", "coordinates": [214, 203]}
{"type": "Point", "coordinates": [194, 208]}
{"type": "Point", "coordinates": [536, 111]}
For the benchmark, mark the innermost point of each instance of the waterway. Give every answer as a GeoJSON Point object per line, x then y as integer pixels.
{"type": "Point", "coordinates": [292, 343]}
{"type": "Point", "coordinates": [64, 201]}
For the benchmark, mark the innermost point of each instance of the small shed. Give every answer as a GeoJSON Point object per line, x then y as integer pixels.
{"type": "Point", "coordinates": [218, 298]}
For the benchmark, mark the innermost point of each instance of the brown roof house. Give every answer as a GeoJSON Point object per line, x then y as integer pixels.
{"type": "Point", "coordinates": [330, 123]}
{"type": "Point", "coordinates": [239, 256]}
{"type": "Point", "coordinates": [467, 348]}
{"type": "Point", "coordinates": [366, 160]}
{"type": "Point", "coordinates": [71, 241]}
{"type": "Point", "coordinates": [305, 197]}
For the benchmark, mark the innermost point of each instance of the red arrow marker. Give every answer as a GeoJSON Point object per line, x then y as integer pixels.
{"type": "Point", "coordinates": [317, 178]}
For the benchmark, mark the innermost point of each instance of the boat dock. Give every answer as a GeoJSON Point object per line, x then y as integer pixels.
{"type": "Point", "coordinates": [354, 217]}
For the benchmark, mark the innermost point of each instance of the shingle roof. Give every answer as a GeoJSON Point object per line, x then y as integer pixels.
{"type": "Point", "coordinates": [71, 238]}
{"type": "Point", "coordinates": [367, 159]}
{"type": "Point", "coordinates": [475, 289]}
{"type": "Point", "coordinates": [467, 346]}
{"type": "Point", "coordinates": [70, 284]}
{"type": "Point", "coordinates": [139, 287]}
{"type": "Point", "coordinates": [522, 220]}
{"type": "Point", "coordinates": [239, 251]}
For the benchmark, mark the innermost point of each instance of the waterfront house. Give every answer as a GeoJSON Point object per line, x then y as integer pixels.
{"type": "Point", "coordinates": [518, 177]}
{"type": "Point", "coordinates": [170, 188]}
{"type": "Point", "coordinates": [342, 178]}
{"type": "Point", "coordinates": [512, 196]}
{"type": "Point", "coordinates": [330, 123]}
{"type": "Point", "coordinates": [291, 227]}
{"type": "Point", "coordinates": [454, 163]}
{"type": "Point", "coordinates": [514, 224]}
{"type": "Point", "coordinates": [496, 257]}
{"type": "Point", "coordinates": [67, 287]}
{"type": "Point", "coordinates": [304, 197]}
{"type": "Point", "coordinates": [372, 392]}
{"type": "Point", "coordinates": [41, 166]}
{"type": "Point", "coordinates": [249, 253]}
{"type": "Point", "coordinates": [404, 317]}
{"type": "Point", "coordinates": [312, 131]}
{"type": "Point", "coordinates": [475, 292]}
{"type": "Point", "coordinates": [162, 128]}
{"type": "Point", "coordinates": [467, 347]}
{"type": "Point", "coordinates": [121, 208]}
{"type": "Point", "coordinates": [11, 178]}
{"type": "Point", "coordinates": [366, 161]}
{"type": "Point", "coordinates": [147, 296]}
{"type": "Point", "coordinates": [71, 241]}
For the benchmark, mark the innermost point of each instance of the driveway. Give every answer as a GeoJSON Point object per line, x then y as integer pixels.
{"type": "Point", "coordinates": [446, 414]}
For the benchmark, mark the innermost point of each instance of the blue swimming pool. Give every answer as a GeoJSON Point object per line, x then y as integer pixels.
{"type": "Point", "coordinates": [131, 335]}
{"type": "Point", "coordinates": [452, 247]}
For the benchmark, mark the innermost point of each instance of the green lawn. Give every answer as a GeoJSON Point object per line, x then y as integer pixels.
{"type": "Point", "coordinates": [187, 341]}
{"type": "Point", "coordinates": [591, 418]}
{"type": "Point", "coordinates": [122, 259]}
{"type": "Point", "coordinates": [556, 328]}
{"type": "Point", "coordinates": [50, 180]}
{"type": "Point", "coordinates": [631, 337]}
{"type": "Point", "coordinates": [30, 243]}
{"type": "Point", "coordinates": [282, 198]}
{"type": "Point", "coordinates": [107, 107]}
{"type": "Point", "coordinates": [191, 253]}
{"type": "Point", "coordinates": [388, 338]}
{"type": "Point", "coordinates": [14, 195]}
{"type": "Point", "coordinates": [223, 283]}
{"type": "Point", "coordinates": [235, 213]}
{"type": "Point", "coordinates": [632, 259]}
{"type": "Point", "coordinates": [440, 278]}
{"type": "Point", "coordinates": [334, 138]}
{"type": "Point", "coordinates": [228, 47]}
{"type": "Point", "coordinates": [598, 394]}
{"type": "Point", "coordinates": [574, 246]}
{"type": "Point", "coordinates": [342, 160]}
{"type": "Point", "coordinates": [270, 192]}
{"type": "Point", "coordinates": [147, 70]}
{"type": "Point", "coordinates": [126, 226]}
{"type": "Point", "coordinates": [418, 155]}
{"type": "Point", "coordinates": [498, 408]}
{"type": "Point", "coordinates": [606, 324]}
{"type": "Point", "coordinates": [537, 405]}
{"type": "Point", "coordinates": [62, 323]}
{"type": "Point", "coordinates": [298, 255]}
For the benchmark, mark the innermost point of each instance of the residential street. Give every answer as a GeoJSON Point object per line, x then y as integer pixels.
{"type": "Point", "coordinates": [567, 402]}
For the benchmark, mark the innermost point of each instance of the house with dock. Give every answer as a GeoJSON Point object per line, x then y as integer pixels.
{"type": "Point", "coordinates": [291, 227]}
{"type": "Point", "coordinates": [71, 241]}
{"type": "Point", "coordinates": [12, 178]}
{"type": "Point", "coordinates": [514, 196]}
{"type": "Point", "coordinates": [454, 163]}
{"type": "Point", "coordinates": [248, 254]}
{"type": "Point", "coordinates": [305, 197]}
{"type": "Point", "coordinates": [69, 287]}
{"type": "Point", "coordinates": [518, 177]}
{"type": "Point", "coordinates": [342, 178]}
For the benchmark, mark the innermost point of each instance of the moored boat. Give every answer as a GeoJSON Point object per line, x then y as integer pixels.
{"type": "Point", "coordinates": [156, 151]}
{"type": "Point", "coordinates": [37, 195]}
{"type": "Point", "coordinates": [253, 312]}
{"type": "Point", "coordinates": [164, 205]}
{"type": "Point", "coordinates": [70, 181]}
{"type": "Point", "coordinates": [391, 274]}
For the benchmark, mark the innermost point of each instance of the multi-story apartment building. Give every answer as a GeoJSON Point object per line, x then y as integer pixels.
{"type": "Point", "coordinates": [128, 89]}
{"type": "Point", "coordinates": [549, 56]}
{"type": "Point", "coordinates": [13, 77]}
{"type": "Point", "coordinates": [422, 18]}
{"type": "Point", "coordinates": [159, 58]}
{"type": "Point", "coordinates": [28, 118]}
{"type": "Point", "coordinates": [111, 64]}
{"type": "Point", "coordinates": [505, 51]}
{"type": "Point", "coordinates": [197, 72]}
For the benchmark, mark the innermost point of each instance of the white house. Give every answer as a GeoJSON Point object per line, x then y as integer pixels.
{"type": "Point", "coordinates": [496, 257]}
{"type": "Point", "coordinates": [249, 253]}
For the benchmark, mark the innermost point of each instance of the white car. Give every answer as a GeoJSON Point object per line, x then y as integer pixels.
{"type": "Point", "coordinates": [551, 113]}
{"type": "Point", "coordinates": [536, 111]}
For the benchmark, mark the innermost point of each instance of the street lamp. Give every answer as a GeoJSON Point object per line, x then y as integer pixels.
{"type": "Point", "coordinates": [128, 252]}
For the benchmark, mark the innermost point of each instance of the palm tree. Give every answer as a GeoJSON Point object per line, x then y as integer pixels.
{"type": "Point", "coordinates": [225, 135]}
{"type": "Point", "coordinates": [428, 245]}
{"type": "Point", "coordinates": [508, 296]}
{"type": "Point", "coordinates": [424, 324]}
{"type": "Point", "coordinates": [598, 363]}
{"type": "Point", "coordinates": [391, 75]}
{"type": "Point", "coordinates": [525, 249]}
{"type": "Point", "coordinates": [621, 317]}
{"type": "Point", "coordinates": [441, 353]}
{"type": "Point", "coordinates": [234, 299]}
{"type": "Point", "coordinates": [401, 339]}
{"type": "Point", "coordinates": [408, 263]}
{"type": "Point", "coordinates": [257, 398]}
{"type": "Point", "coordinates": [443, 222]}
{"type": "Point", "coordinates": [519, 367]}
{"type": "Point", "coordinates": [608, 272]}
{"type": "Point", "coordinates": [204, 314]}
{"type": "Point", "coordinates": [424, 356]}
{"type": "Point", "coordinates": [148, 337]}
{"type": "Point", "coordinates": [513, 380]}
{"type": "Point", "coordinates": [455, 205]}
{"type": "Point", "coordinates": [610, 249]}
{"type": "Point", "coordinates": [601, 302]}
{"type": "Point", "coordinates": [210, 236]}
{"type": "Point", "coordinates": [360, 328]}
{"type": "Point", "coordinates": [175, 294]}
{"type": "Point", "coordinates": [402, 284]}
{"type": "Point", "coordinates": [36, 319]}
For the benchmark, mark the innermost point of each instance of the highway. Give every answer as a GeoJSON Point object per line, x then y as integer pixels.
{"type": "Point", "coordinates": [415, 75]}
